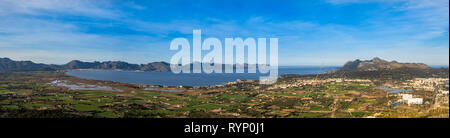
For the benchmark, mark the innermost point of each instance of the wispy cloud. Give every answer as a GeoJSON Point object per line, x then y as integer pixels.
{"type": "Point", "coordinates": [97, 8]}
{"type": "Point", "coordinates": [424, 19]}
{"type": "Point", "coordinates": [60, 31]}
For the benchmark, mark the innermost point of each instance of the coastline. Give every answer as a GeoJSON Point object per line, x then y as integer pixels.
{"type": "Point", "coordinates": [235, 77]}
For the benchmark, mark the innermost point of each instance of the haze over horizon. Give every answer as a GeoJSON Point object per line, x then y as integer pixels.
{"type": "Point", "coordinates": [325, 32]}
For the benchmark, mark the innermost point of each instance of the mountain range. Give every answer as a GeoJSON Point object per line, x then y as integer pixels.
{"type": "Point", "coordinates": [7, 64]}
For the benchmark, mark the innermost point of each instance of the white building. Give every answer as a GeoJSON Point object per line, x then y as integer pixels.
{"type": "Point", "coordinates": [415, 101]}
{"type": "Point", "coordinates": [443, 92]}
{"type": "Point", "coordinates": [408, 98]}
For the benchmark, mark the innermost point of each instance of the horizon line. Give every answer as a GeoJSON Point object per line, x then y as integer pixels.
{"type": "Point", "coordinates": [285, 65]}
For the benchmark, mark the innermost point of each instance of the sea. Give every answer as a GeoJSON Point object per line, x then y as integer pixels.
{"type": "Point", "coordinates": [188, 79]}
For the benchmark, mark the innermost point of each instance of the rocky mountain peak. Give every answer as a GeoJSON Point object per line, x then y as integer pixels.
{"type": "Point", "coordinates": [380, 64]}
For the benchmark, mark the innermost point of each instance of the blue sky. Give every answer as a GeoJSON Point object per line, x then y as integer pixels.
{"type": "Point", "coordinates": [310, 32]}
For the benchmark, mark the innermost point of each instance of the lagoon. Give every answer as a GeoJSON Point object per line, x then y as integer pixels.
{"type": "Point", "coordinates": [395, 90]}
{"type": "Point", "coordinates": [186, 79]}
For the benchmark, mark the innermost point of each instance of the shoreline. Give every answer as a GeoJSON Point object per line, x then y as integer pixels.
{"type": "Point", "coordinates": [198, 86]}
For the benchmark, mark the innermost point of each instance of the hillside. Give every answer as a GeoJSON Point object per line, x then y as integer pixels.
{"type": "Point", "coordinates": [381, 70]}
{"type": "Point", "coordinates": [7, 64]}
{"type": "Point", "coordinates": [380, 64]}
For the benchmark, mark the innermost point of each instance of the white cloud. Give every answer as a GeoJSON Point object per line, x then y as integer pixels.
{"type": "Point", "coordinates": [89, 8]}
{"type": "Point", "coordinates": [422, 19]}
{"type": "Point", "coordinates": [23, 34]}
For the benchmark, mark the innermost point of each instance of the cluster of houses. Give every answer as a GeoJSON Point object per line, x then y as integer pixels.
{"type": "Point", "coordinates": [428, 84]}
{"type": "Point", "coordinates": [329, 80]}
{"type": "Point", "coordinates": [437, 85]}
{"type": "Point", "coordinates": [303, 82]}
